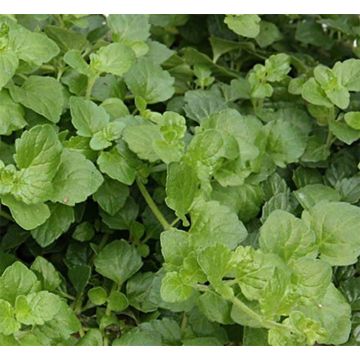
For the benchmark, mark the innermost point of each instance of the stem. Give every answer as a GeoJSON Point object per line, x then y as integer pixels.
{"type": "Point", "coordinates": [329, 139]}
{"type": "Point", "coordinates": [90, 85]}
{"type": "Point", "coordinates": [155, 210]}
{"type": "Point", "coordinates": [5, 215]}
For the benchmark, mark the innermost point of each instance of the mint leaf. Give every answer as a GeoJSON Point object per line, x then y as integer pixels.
{"type": "Point", "coordinates": [76, 179]}
{"type": "Point", "coordinates": [244, 25]}
{"type": "Point", "coordinates": [118, 261]}
{"type": "Point", "coordinates": [149, 81]}
{"type": "Point", "coordinates": [42, 94]}
{"type": "Point", "coordinates": [337, 231]}
{"type": "Point", "coordinates": [115, 59]}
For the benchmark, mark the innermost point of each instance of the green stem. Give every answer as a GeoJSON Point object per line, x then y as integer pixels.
{"type": "Point", "coordinates": [155, 210]}
{"type": "Point", "coordinates": [329, 139]}
{"type": "Point", "coordinates": [5, 215]}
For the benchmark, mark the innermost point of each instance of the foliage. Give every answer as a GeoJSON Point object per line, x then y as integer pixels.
{"type": "Point", "coordinates": [179, 180]}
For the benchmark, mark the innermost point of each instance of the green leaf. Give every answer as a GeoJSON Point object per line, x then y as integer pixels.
{"type": "Point", "coordinates": [173, 288]}
{"type": "Point", "coordinates": [79, 276]}
{"type": "Point", "coordinates": [37, 308]}
{"type": "Point", "coordinates": [11, 115]}
{"type": "Point", "coordinates": [244, 25]}
{"type": "Point", "coordinates": [46, 273]}
{"type": "Point", "coordinates": [287, 236]}
{"type": "Point", "coordinates": [32, 47]}
{"type": "Point", "coordinates": [83, 232]}
{"type": "Point", "coordinates": [352, 118]}
{"type": "Point", "coordinates": [76, 61]}
{"type": "Point", "coordinates": [174, 246]}
{"type": "Point", "coordinates": [337, 231]}
{"type": "Point", "coordinates": [149, 81]}
{"type": "Point", "coordinates": [87, 117]}
{"type": "Point", "coordinates": [97, 295]}
{"type": "Point", "coordinates": [118, 261]}
{"type": "Point", "coordinates": [27, 216]}
{"type": "Point", "coordinates": [311, 194]}
{"type": "Point", "coordinates": [348, 73]}
{"type": "Point", "coordinates": [117, 301]}
{"type": "Point", "coordinates": [285, 141]}
{"type": "Point", "coordinates": [182, 186]}
{"type": "Point", "coordinates": [76, 179]}
{"type": "Point", "coordinates": [38, 154]}
{"type": "Point", "coordinates": [215, 262]}
{"type": "Point", "coordinates": [8, 324]}
{"type": "Point", "coordinates": [334, 315]}
{"type": "Point", "coordinates": [200, 104]}
{"type": "Point", "coordinates": [328, 81]}
{"type": "Point", "coordinates": [312, 277]}
{"type": "Point", "coordinates": [215, 308]}
{"type": "Point", "coordinates": [129, 28]}
{"type": "Point", "coordinates": [269, 33]}
{"type": "Point", "coordinates": [58, 223]}
{"type": "Point", "coordinates": [314, 94]}
{"type": "Point", "coordinates": [115, 59]}
{"type": "Point", "coordinates": [140, 139]}
{"type": "Point", "coordinates": [213, 223]}
{"type": "Point", "coordinates": [42, 94]}
{"type": "Point", "coordinates": [116, 166]}
{"type": "Point", "coordinates": [8, 65]}
{"type": "Point", "coordinates": [17, 280]}
{"type": "Point", "coordinates": [111, 196]}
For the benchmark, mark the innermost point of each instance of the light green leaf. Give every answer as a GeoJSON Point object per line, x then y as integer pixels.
{"type": "Point", "coordinates": [11, 114]}
{"type": "Point", "coordinates": [312, 277]}
{"type": "Point", "coordinates": [140, 139]}
{"type": "Point", "coordinates": [42, 94]}
{"type": "Point", "coordinates": [87, 117]}
{"type": "Point", "coordinates": [38, 154]}
{"type": "Point", "coordinates": [174, 246]}
{"type": "Point", "coordinates": [17, 280]}
{"type": "Point", "coordinates": [97, 295]}
{"type": "Point", "coordinates": [37, 308]}
{"type": "Point", "coordinates": [129, 28]}
{"type": "Point", "coordinates": [8, 324]}
{"type": "Point", "coordinates": [46, 272]}
{"type": "Point", "coordinates": [328, 81]}
{"type": "Point", "coordinates": [32, 47]}
{"type": "Point", "coordinates": [348, 73]}
{"type": "Point", "coordinates": [150, 81]}
{"type": "Point", "coordinates": [117, 301]}
{"type": "Point", "coordinates": [27, 216]}
{"type": "Point", "coordinates": [352, 118]}
{"type": "Point", "coordinates": [182, 186]}
{"type": "Point", "coordinates": [118, 261]}
{"type": "Point", "coordinates": [212, 223]}
{"type": "Point", "coordinates": [287, 236]}
{"type": "Point", "coordinates": [76, 179]}
{"type": "Point", "coordinates": [215, 262]}
{"type": "Point", "coordinates": [74, 58]}
{"type": "Point", "coordinates": [337, 229]}
{"type": "Point", "coordinates": [173, 289]}
{"type": "Point", "coordinates": [244, 25]}
{"type": "Point", "coordinates": [314, 94]}
{"type": "Point", "coordinates": [8, 65]}
{"type": "Point", "coordinates": [285, 141]}
{"type": "Point", "coordinates": [311, 194]}
{"type": "Point", "coordinates": [115, 59]}
{"type": "Point", "coordinates": [58, 223]}
{"type": "Point", "coordinates": [116, 166]}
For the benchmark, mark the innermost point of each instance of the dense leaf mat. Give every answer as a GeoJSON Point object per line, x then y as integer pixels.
{"type": "Point", "coordinates": [179, 180]}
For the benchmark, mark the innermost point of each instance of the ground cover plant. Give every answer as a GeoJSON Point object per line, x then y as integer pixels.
{"type": "Point", "coordinates": [179, 180]}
